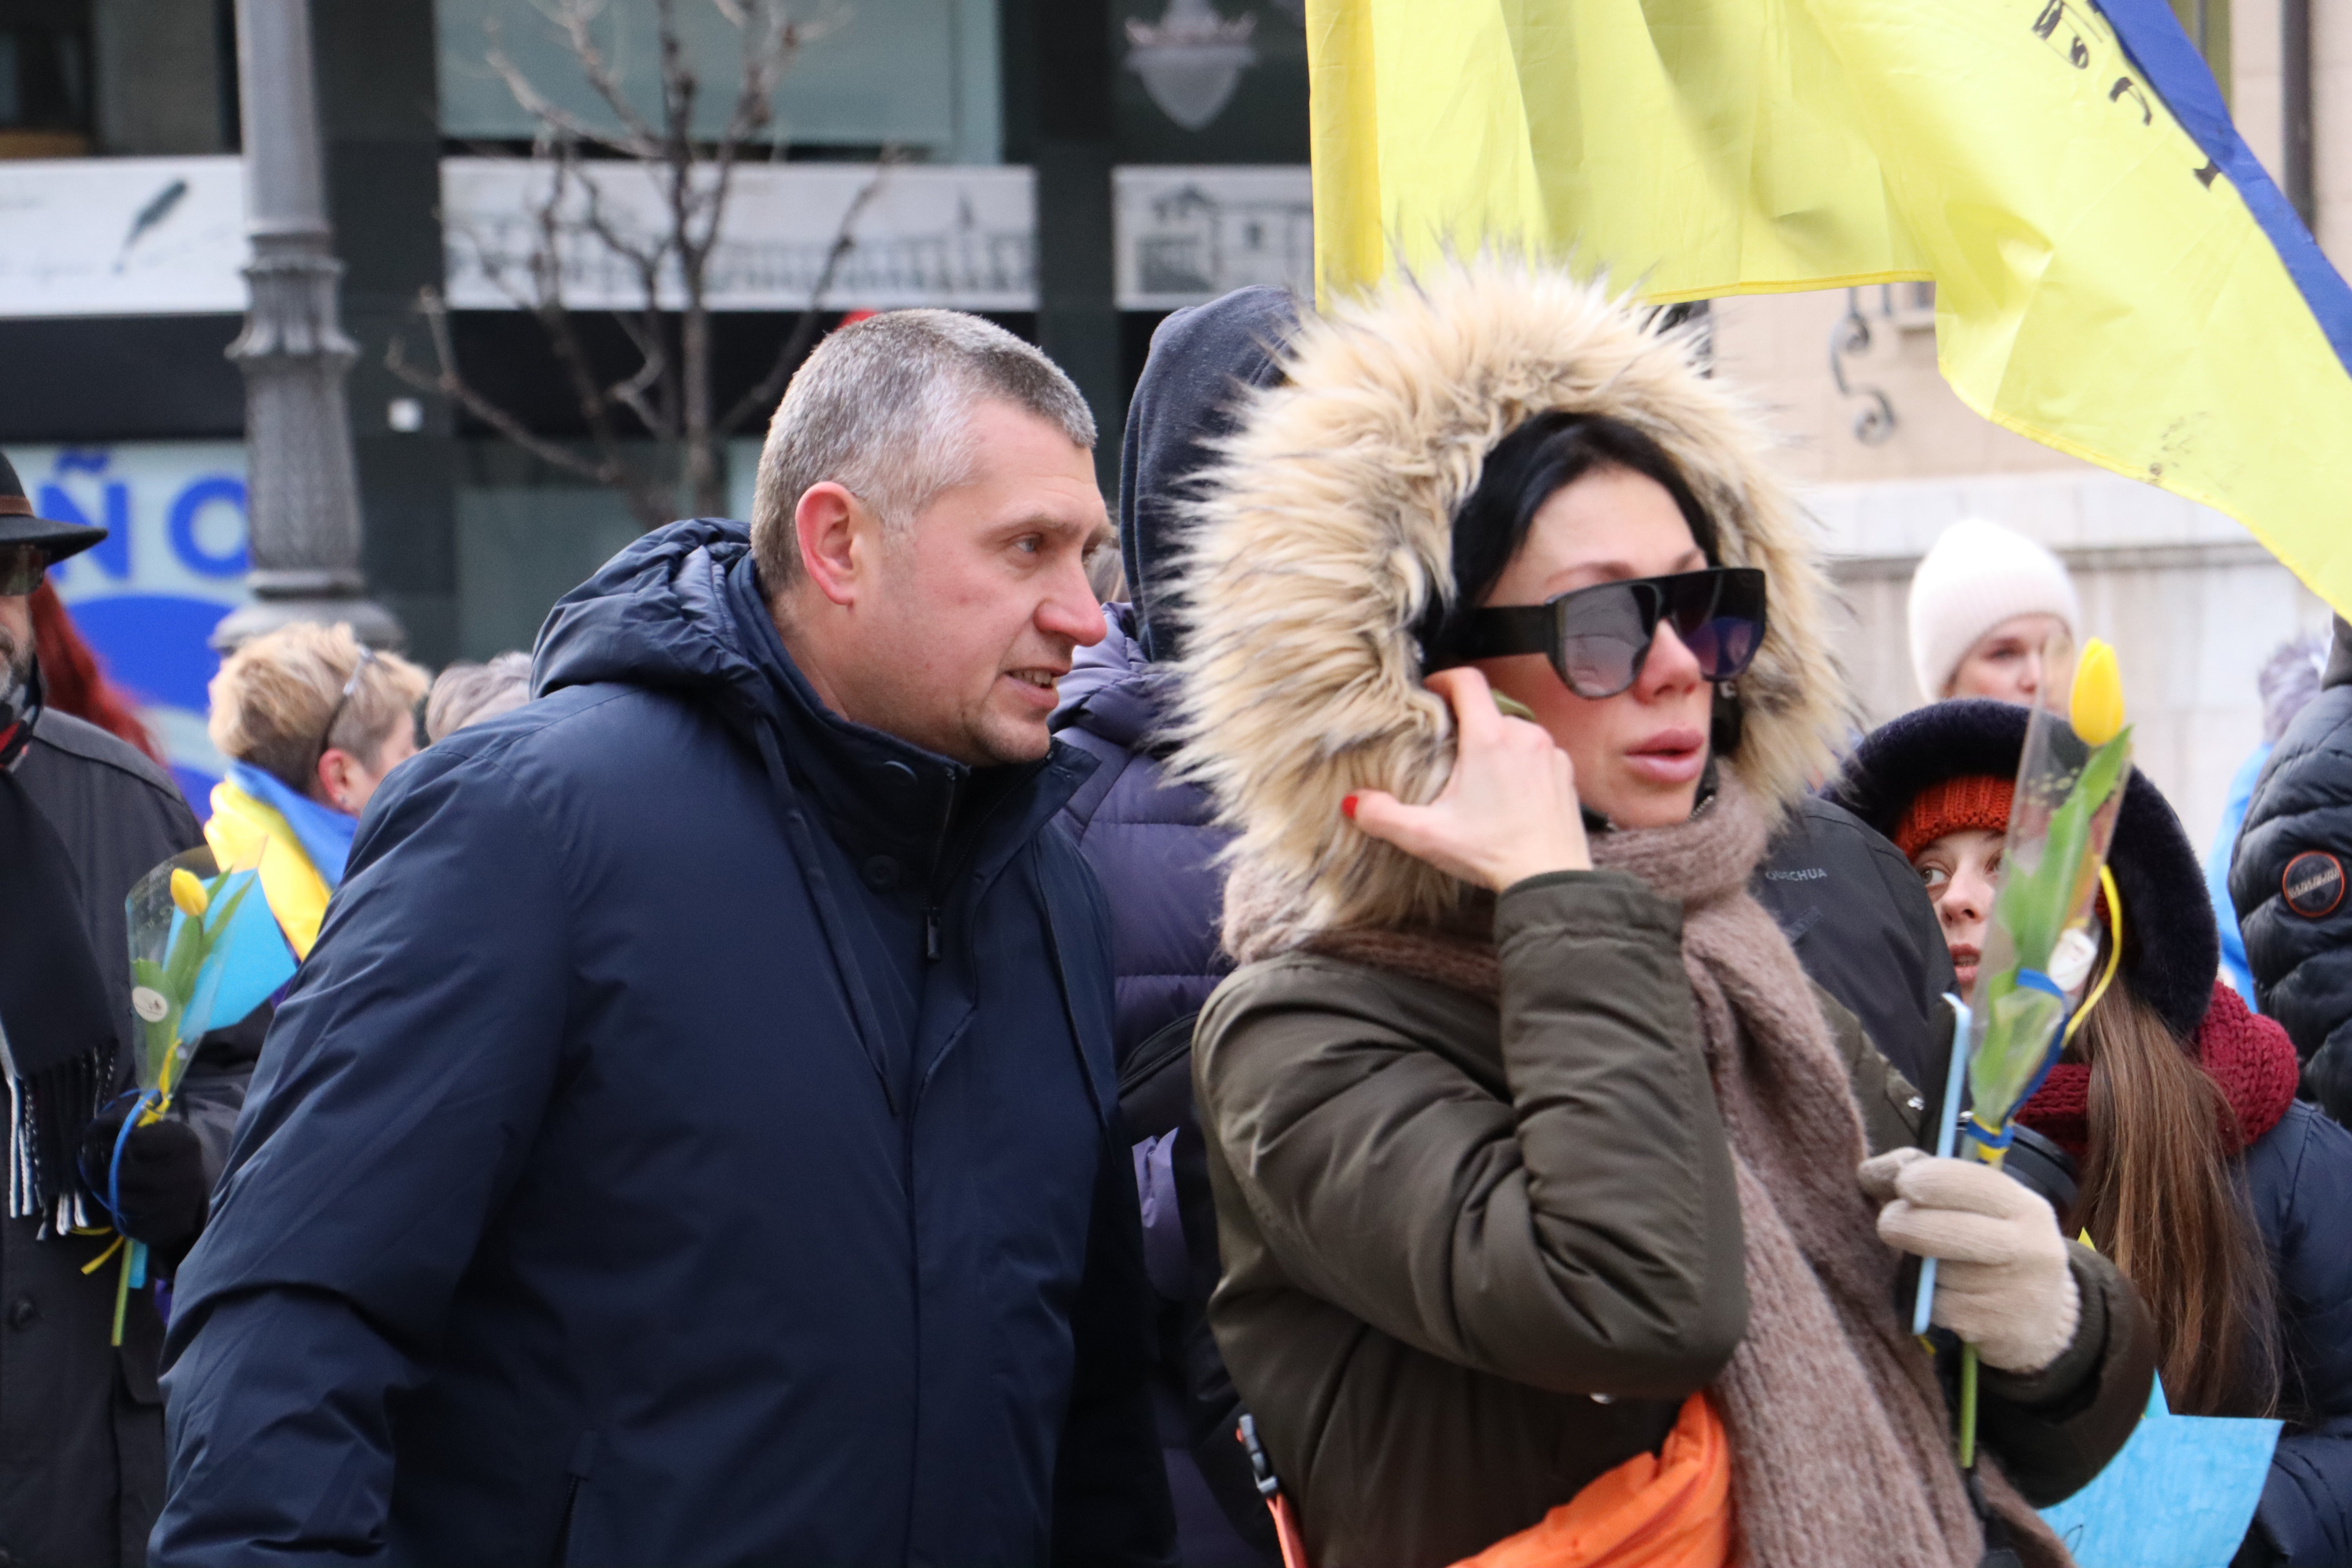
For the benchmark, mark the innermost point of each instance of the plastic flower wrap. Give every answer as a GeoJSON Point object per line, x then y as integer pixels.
{"type": "Point", "coordinates": [204, 951]}
{"type": "Point", "coordinates": [2038, 945]}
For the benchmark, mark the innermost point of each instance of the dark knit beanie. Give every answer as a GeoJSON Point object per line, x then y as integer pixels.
{"type": "Point", "coordinates": [2172, 948]}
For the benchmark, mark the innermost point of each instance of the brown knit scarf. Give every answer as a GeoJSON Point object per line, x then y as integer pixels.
{"type": "Point", "coordinates": [1841, 1446]}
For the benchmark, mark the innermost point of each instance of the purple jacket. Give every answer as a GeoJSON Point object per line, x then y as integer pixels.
{"type": "Point", "coordinates": [1148, 839]}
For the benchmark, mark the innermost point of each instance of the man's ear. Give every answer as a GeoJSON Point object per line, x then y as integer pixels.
{"type": "Point", "coordinates": [831, 526]}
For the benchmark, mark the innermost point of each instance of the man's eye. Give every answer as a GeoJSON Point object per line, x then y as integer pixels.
{"type": "Point", "coordinates": [1031, 543]}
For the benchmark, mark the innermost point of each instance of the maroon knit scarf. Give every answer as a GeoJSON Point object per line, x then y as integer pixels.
{"type": "Point", "coordinates": [2248, 1056]}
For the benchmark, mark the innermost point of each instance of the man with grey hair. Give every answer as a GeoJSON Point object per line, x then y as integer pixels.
{"type": "Point", "coordinates": [693, 1138]}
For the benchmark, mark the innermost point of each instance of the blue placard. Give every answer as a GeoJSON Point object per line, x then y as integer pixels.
{"type": "Point", "coordinates": [2180, 1495]}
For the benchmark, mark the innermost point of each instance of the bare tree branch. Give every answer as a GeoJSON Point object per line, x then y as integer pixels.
{"type": "Point", "coordinates": [544, 113]}
{"type": "Point", "coordinates": [668, 329]}
{"type": "Point", "coordinates": [771, 385]}
{"type": "Point", "coordinates": [577, 18]}
{"type": "Point", "coordinates": [446, 381]}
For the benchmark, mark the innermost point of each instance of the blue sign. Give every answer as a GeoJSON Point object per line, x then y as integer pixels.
{"type": "Point", "coordinates": [2180, 1495]}
{"type": "Point", "coordinates": [173, 563]}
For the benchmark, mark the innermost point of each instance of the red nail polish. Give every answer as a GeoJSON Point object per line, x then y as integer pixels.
{"type": "Point", "coordinates": [1347, 808]}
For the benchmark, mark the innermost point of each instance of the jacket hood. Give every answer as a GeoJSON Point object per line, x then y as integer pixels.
{"type": "Point", "coordinates": [1112, 689]}
{"type": "Point", "coordinates": [656, 616]}
{"type": "Point", "coordinates": [2172, 948]}
{"type": "Point", "coordinates": [2339, 656]}
{"type": "Point", "coordinates": [1202, 359]}
{"type": "Point", "coordinates": [1327, 531]}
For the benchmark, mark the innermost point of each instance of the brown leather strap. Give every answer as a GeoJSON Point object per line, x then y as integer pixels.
{"type": "Point", "coordinates": [15, 506]}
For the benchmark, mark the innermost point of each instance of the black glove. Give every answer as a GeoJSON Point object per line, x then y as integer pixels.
{"type": "Point", "coordinates": [160, 1186]}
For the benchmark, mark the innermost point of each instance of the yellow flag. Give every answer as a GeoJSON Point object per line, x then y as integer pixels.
{"type": "Point", "coordinates": [2115, 275]}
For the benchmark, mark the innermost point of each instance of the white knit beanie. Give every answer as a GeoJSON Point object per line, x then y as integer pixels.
{"type": "Point", "coordinates": [1978, 575]}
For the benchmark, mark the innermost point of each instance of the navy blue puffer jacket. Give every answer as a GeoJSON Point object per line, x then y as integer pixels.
{"type": "Point", "coordinates": [692, 1141]}
{"type": "Point", "coordinates": [2299, 1176]}
{"type": "Point", "coordinates": [1147, 835]}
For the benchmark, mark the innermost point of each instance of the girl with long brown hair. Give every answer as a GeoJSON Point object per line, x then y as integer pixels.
{"type": "Point", "coordinates": [2173, 1113]}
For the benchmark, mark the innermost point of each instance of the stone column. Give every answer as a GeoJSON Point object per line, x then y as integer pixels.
{"type": "Point", "coordinates": [303, 488]}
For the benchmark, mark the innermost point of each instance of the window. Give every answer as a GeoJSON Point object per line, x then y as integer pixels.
{"type": "Point", "coordinates": [920, 75]}
{"type": "Point", "coordinates": [45, 96]}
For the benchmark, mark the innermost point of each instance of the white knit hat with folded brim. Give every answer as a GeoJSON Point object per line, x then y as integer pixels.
{"type": "Point", "coordinates": [1978, 575]}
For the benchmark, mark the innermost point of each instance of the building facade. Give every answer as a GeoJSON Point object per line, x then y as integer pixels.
{"type": "Point", "coordinates": [1072, 168]}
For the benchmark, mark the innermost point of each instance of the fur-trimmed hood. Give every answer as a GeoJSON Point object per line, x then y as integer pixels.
{"type": "Point", "coordinates": [1326, 532]}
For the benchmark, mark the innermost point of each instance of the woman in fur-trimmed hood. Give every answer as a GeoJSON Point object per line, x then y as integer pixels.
{"type": "Point", "coordinates": [1535, 1156]}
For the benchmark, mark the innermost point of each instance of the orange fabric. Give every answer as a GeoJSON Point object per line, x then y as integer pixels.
{"type": "Point", "coordinates": [1286, 1533]}
{"type": "Point", "coordinates": [1671, 1509]}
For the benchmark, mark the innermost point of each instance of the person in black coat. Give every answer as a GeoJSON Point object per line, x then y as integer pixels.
{"type": "Point", "coordinates": [82, 817]}
{"type": "Point", "coordinates": [694, 1138]}
{"type": "Point", "coordinates": [1862, 928]}
{"type": "Point", "coordinates": [2287, 884]}
{"type": "Point", "coordinates": [2172, 1088]}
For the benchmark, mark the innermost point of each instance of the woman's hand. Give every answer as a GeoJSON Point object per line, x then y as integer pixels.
{"type": "Point", "coordinates": [2005, 1284]}
{"type": "Point", "coordinates": [1508, 813]}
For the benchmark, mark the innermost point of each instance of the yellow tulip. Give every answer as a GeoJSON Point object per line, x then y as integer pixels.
{"type": "Point", "coordinates": [2096, 706]}
{"type": "Point", "coordinates": [188, 892]}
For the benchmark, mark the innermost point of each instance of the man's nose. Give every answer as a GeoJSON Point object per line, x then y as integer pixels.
{"type": "Point", "coordinates": [1069, 609]}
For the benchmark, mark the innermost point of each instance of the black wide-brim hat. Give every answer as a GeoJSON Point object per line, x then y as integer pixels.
{"type": "Point", "coordinates": [19, 524]}
{"type": "Point", "coordinates": [2172, 946]}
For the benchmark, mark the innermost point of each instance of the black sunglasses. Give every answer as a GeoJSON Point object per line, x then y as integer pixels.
{"type": "Point", "coordinates": [1598, 638]}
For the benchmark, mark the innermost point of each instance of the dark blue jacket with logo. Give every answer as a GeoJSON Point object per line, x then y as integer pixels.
{"type": "Point", "coordinates": [2299, 941]}
{"type": "Point", "coordinates": [692, 1141]}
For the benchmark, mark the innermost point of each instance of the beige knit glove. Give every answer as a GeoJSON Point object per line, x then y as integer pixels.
{"type": "Point", "coordinates": [2004, 1285]}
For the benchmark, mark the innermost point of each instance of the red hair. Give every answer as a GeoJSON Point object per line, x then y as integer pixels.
{"type": "Point", "coordinates": [75, 681]}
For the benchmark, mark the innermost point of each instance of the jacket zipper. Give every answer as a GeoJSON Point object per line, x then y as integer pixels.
{"type": "Point", "coordinates": [939, 882]}
{"type": "Point", "coordinates": [562, 1553]}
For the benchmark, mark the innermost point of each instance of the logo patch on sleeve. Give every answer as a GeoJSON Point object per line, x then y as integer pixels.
{"type": "Point", "coordinates": [2312, 884]}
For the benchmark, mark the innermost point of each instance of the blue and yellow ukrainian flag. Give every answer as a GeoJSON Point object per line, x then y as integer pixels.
{"type": "Point", "coordinates": [2115, 275]}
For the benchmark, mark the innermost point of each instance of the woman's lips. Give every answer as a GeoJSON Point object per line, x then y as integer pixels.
{"type": "Point", "coordinates": [1669, 757]}
{"type": "Point", "coordinates": [1964, 965]}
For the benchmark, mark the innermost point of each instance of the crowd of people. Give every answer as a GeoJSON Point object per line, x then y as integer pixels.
{"type": "Point", "coordinates": [1371, 1010]}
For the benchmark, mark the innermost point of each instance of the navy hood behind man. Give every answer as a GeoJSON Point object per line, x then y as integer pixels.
{"type": "Point", "coordinates": [1202, 359]}
{"type": "Point", "coordinates": [623, 1181]}
{"type": "Point", "coordinates": [1148, 839]}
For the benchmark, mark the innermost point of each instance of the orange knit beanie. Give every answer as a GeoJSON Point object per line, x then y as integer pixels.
{"type": "Point", "coordinates": [1972, 800]}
